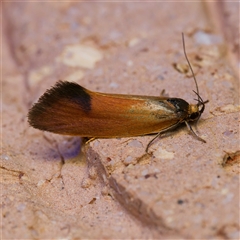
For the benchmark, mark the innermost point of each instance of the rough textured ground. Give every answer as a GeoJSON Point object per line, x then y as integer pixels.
{"type": "Point", "coordinates": [53, 187]}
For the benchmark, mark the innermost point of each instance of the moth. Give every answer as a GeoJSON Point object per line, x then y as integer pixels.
{"type": "Point", "coordinates": [70, 109]}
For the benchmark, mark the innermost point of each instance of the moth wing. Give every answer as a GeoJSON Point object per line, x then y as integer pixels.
{"type": "Point", "coordinates": [70, 109]}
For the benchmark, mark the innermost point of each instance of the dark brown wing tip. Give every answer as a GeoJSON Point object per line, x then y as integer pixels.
{"type": "Point", "coordinates": [62, 92]}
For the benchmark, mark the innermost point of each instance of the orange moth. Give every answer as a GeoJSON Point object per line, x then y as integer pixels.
{"type": "Point", "coordinates": [69, 109]}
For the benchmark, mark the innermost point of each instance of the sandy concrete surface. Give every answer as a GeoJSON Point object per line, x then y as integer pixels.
{"type": "Point", "coordinates": [55, 187]}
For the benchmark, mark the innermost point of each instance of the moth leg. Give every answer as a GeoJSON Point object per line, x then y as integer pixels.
{"type": "Point", "coordinates": [160, 134]}
{"type": "Point", "coordinates": [194, 134]}
{"type": "Point", "coordinates": [150, 143]}
{"type": "Point", "coordinates": [164, 94]}
{"type": "Point", "coordinates": [87, 140]}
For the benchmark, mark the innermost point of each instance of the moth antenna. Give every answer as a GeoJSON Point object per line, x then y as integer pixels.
{"type": "Point", "coordinates": [199, 98]}
{"type": "Point", "coordinates": [184, 50]}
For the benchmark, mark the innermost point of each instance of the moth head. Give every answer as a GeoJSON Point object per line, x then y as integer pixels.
{"type": "Point", "coordinates": [196, 110]}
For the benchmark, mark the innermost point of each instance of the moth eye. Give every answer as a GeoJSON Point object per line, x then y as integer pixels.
{"type": "Point", "coordinates": [194, 116]}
